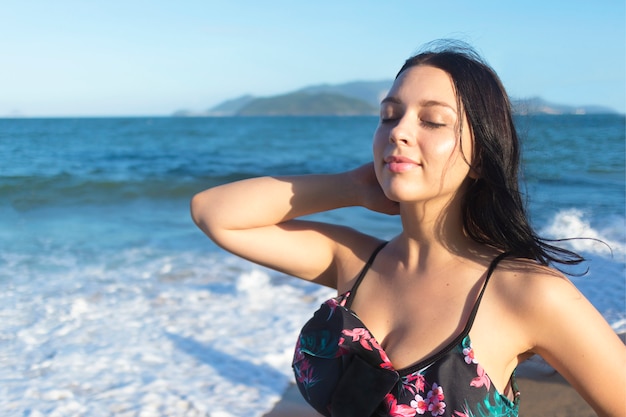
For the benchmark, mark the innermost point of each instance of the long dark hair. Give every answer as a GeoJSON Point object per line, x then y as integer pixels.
{"type": "Point", "coordinates": [494, 211]}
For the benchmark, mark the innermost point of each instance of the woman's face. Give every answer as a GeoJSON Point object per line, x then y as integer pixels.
{"type": "Point", "coordinates": [420, 151]}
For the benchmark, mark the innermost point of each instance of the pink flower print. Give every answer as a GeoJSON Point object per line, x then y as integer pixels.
{"type": "Point", "coordinates": [332, 306]}
{"type": "Point", "coordinates": [386, 362]}
{"type": "Point", "coordinates": [469, 355]}
{"type": "Point", "coordinates": [343, 350]}
{"type": "Point", "coordinates": [305, 365]}
{"type": "Point", "coordinates": [305, 373]}
{"type": "Point", "coordinates": [435, 398]}
{"type": "Point", "coordinates": [436, 393]}
{"type": "Point", "coordinates": [359, 334]}
{"type": "Point", "coordinates": [460, 414]}
{"type": "Point", "coordinates": [436, 407]}
{"type": "Point", "coordinates": [414, 382]}
{"type": "Point", "coordinates": [344, 299]}
{"type": "Point", "coordinates": [419, 404]}
{"type": "Point", "coordinates": [398, 410]}
{"type": "Point", "coordinates": [482, 379]}
{"type": "Point", "coordinates": [363, 336]}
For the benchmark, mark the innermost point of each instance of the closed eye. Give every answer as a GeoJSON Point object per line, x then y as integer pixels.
{"type": "Point", "coordinates": [431, 125]}
{"type": "Point", "coordinates": [387, 119]}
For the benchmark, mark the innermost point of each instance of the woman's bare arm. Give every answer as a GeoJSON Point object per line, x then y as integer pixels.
{"type": "Point", "coordinates": [255, 219]}
{"type": "Point", "coordinates": [573, 337]}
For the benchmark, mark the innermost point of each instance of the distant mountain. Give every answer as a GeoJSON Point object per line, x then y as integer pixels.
{"type": "Point", "coordinates": [537, 105]}
{"type": "Point", "coordinates": [231, 107]}
{"type": "Point", "coordinates": [307, 104]}
{"type": "Point", "coordinates": [354, 98]}
{"type": "Point", "coordinates": [371, 92]}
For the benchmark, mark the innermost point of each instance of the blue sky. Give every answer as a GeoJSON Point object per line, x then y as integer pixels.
{"type": "Point", "coordinates": [89, 58]}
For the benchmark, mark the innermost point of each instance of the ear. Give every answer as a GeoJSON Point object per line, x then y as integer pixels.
{"type": "Point", "coordinates": [474, 172]}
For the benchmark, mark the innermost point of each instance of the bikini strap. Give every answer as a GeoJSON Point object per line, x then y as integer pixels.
{"type": "Point", "coordinates": [366, 268]}
{"type": "Point", "coordinates": [492, 267]}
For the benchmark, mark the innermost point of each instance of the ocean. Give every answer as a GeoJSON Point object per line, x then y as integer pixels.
{"type": "Point", "coordinates": [112, 302]}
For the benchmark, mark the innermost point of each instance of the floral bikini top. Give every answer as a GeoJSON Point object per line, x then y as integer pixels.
{"type": "Point", "coordinates": [342, 371]}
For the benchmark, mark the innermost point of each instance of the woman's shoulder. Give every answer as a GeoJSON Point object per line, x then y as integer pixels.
{"type": "Point", "coordinates": [528, 270]}
{"type": "Point", "coordinates": [527, 287]}
{"type": "Point", "coordinates": [535, 301]}
{"type": "Point", "coordinates": [352, 257]}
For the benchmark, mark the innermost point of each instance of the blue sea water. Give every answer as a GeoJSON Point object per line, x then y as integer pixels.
{"type": "Point", "coordinates": [113, 303]}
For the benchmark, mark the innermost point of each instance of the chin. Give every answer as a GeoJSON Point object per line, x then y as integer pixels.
{"type": "Point", "coordinates": [400, 196]}
{"type": "Point", "coordinates": [398, 184]}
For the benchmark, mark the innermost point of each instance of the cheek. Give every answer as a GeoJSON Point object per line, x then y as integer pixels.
{"type": "Point", "coordinates": [443, 150]}
{"type": "Point", "coordinates": [449, 157]}
{"type": "Point", "coordinates": [378, 143]}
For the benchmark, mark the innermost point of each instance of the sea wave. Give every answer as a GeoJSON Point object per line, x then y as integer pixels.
{"type": "Point", "coordinates": [574, 225]}
{"type": "Point", "coordinates": [29, 192]}
{"type": "Point", "coordinates": [145, 331]}
{"type": "Point", "coordinates": [185, 333]}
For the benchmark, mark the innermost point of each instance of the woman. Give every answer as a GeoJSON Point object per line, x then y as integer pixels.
{"type": "Point", "coordinates": [446, 310]}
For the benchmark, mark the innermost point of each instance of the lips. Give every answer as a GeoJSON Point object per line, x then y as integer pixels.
{"type": "Point", "coordinates": [399, 163]}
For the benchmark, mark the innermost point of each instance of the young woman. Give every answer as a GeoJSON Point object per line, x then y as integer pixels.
{"type": "Point", "coordinates": [446, 310]}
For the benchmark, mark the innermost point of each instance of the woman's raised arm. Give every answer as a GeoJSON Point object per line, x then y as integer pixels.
{"type": "Point", "coordinates": [255, 219]}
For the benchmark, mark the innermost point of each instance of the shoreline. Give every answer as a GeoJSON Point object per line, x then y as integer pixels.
{"type": "Point", "coordinates": [543, 391]}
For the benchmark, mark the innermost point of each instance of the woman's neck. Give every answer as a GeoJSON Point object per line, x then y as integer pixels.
{"type": "Point", "coordinates": [433, 232]}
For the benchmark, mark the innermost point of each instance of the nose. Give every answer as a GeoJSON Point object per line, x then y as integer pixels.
{"type": "Point", "coordinates": [403, 132]}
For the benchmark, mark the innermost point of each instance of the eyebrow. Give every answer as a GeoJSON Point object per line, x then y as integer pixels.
{"type": "Point", "coordinates": [389, 99]}
{"type": "Point", "coordinates": [425, 103]}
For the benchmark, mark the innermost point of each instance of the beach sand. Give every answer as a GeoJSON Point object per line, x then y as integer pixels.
{"type": "Point", "coordinates": [543, 393]}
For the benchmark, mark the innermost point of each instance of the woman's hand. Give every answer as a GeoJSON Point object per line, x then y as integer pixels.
{"type": "Point", "coordinates": [371, 196]}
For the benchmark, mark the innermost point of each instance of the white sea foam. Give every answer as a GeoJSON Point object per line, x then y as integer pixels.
{"type": "Point", "coordinates": [603, 245]}
{"type": "Point", "coordinates": [607, 240]}
{"type": "Point", "coordinates": [149, 334]}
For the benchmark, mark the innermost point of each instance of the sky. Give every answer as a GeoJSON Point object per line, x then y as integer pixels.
{"type": "Point", "coordinates": [147, 58]}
